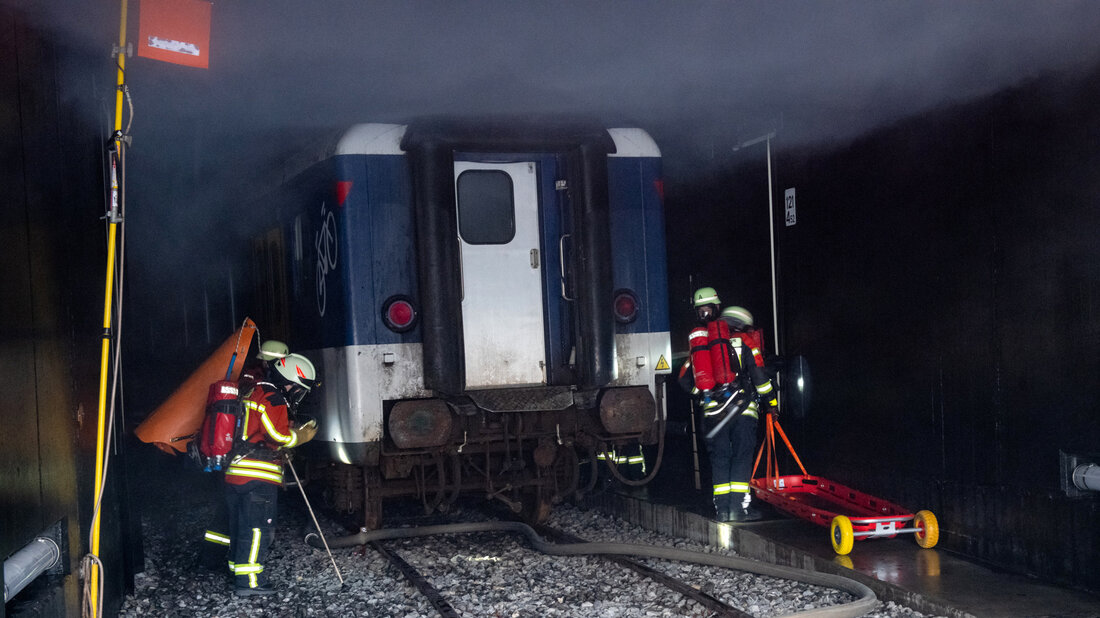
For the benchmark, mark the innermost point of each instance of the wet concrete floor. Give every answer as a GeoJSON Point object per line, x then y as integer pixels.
{"type": "Point", "coordinates": [932, 581]}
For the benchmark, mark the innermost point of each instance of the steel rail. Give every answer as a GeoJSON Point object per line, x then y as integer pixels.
{"type": "Point", "coordinates": [445, 609]}
{"type": "Point", "coordinates": [719, 607]}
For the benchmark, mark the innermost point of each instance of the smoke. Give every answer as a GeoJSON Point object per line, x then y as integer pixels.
{"type": "Point", "coordinates": [700, 76]}
{"type": "Point", "coordinates": [696, 72]}
{"type": "Point", "coordinates": [280, 61]}
{"type": "Point", "coordinates": [831, 70]}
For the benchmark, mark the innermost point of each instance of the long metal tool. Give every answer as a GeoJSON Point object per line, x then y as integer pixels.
{"type": "Point", "coordinates": [298, 482]}
{"type": "Point", "coordinates": [695, 446]}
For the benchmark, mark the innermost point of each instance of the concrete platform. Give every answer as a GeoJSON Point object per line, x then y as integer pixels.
{"type": "Point", "coordinates": [930, 581]}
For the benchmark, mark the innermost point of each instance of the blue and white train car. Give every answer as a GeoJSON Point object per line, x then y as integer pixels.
{"type": "Point", "coordinates": [486, 304]}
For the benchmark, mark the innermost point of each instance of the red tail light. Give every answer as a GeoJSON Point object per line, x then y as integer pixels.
{"type": "Point", "coordinates": [626, 306]}
{"type": "Point", "coordinates": [399, 314]}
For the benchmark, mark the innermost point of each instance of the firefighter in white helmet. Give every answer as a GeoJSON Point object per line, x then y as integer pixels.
{"type": "Point", "coordinates": [215, 539]}
{"type": "Point", "coordinates": [255, 475]}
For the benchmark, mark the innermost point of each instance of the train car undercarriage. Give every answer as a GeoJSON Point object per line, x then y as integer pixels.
{"type": "Point", "coordinates": [529, 458]}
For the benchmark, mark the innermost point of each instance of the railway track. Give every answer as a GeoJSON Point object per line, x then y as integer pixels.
{"type": "Point", "coordinates": [720, 608]}
{"type": "Point", "coordinates": [451, 573]}
{"type": "Point", "coordinates": [422, 582]}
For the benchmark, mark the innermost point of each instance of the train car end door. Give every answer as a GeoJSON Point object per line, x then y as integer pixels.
{"type": "Point", "coordinates": [501, 265]}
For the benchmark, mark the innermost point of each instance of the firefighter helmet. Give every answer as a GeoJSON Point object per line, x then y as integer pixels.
{"type": "Point", "coordinates": [297, 370]}
{"type": "Point", "coordinates": [272, 350]}
{"type": "Point", "coordinates": [706, 296]}
{"type": "Point", "coordinates": [737, 317]}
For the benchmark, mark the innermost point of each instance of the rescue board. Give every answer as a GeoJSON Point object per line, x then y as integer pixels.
{"type": "Point", "coordinates": [849, 514]}
{"type": "Point", "coordinates": [176, 421]}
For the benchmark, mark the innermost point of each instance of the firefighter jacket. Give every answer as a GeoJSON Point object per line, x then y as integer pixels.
{"type": "Point", "coordinates": [264, 429]}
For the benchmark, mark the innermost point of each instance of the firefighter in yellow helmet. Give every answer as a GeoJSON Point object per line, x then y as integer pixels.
{"type": "Point", "coordinates": [257, 370]}
{"type": "Point", "coordinates": [721, 365]}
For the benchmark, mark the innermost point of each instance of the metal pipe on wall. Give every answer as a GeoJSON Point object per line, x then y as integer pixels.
{"type": "Point", "coordinates": [1087, 477]}
{"type": "Point", "coordinates": [37, 557]}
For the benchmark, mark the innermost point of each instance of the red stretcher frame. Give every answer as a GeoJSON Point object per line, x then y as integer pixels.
{"type": "Point", "coordinates": [849, 514]}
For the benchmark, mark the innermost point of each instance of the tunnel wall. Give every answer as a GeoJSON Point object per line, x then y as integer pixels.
{"type": "Point", "coordinates": [52, 266]}
{"type": "Point", "coordinates": [943, 280]}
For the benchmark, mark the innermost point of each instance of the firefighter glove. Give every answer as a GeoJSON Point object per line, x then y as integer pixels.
{"type": "Point", "coordinates": [306, 432]}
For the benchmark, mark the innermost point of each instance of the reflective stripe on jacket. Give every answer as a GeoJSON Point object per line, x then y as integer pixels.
{"type": "Point", "coordinates": [265, 428]}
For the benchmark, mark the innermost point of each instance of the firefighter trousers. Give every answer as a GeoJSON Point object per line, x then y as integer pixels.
{"type": "Point", "coordinates": [215, 539]}
{"type": "Point", "coordinates": [731, 451]}
{"type": "Point", "coordinates": [252, 509]}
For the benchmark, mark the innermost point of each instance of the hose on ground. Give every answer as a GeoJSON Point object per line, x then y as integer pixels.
{"type": "Point", "coordinates": [865, 597]}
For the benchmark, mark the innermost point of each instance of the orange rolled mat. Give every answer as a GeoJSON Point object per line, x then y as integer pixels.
{"type": "Point", "coordinates": [176, 421]}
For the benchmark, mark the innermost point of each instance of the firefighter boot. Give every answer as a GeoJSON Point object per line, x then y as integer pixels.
{"type": "Point", "coordinates": [259, 591]}
{"type": "Point", "coordinates": [745, 511]}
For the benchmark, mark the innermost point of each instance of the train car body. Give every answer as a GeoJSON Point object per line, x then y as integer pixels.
{"type": "Point", "coordinates": [486, 305]}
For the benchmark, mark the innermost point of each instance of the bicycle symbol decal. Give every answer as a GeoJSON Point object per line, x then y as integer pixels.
{"type": "Point", "coordinates": [326, 246]}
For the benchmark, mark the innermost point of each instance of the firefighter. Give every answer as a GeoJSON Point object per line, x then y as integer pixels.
{"type": "Point", "coordinates": [717, 347]}
{"type": "Point", "coordinates": [709, 351]}
{"type": "Point", "coordinates": [215, 539]}
{"type": "Point", "coordinates": [732, 448]}
{"type": "Point", "coordinates": [255, 475]}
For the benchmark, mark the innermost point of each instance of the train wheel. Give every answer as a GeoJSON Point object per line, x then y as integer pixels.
{"type": "Point", "coordinates": [928, 533]}
{"type": "Point", "coordinates": [588, 470]}
{"type": "Point", "coordinates": [843, 536]}
{"type": "Point", "coordinates": [372, 498]}
{"type": "Point", "coordinates": [567, 471]}
{"type": "Point", "coordinates": [536, 506]}
{"type": "Point", "coordinates": [455, 480]}
{"type": "Point", "coordinates": [435, 474]}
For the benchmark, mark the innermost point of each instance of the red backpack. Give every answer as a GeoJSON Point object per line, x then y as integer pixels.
{"type": "Point", "coordinates": [219, 427]}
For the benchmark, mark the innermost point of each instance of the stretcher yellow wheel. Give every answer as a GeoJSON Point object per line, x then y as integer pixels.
{"type": "Point", "coordinates": [929, 533]}
{"type": "Point", "coordinates": [843, 536]}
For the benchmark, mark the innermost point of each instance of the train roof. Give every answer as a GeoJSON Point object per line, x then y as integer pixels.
{"type": "Point", "coordinates": [392, 139]}
{"type": "Point", "coordinates": [374, 138]}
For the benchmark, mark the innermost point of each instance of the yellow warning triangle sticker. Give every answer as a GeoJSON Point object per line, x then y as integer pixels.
{"type": "Point", "coordinates": [662, 364]}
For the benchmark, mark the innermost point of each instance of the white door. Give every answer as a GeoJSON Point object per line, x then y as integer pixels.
{"type": "Point", "coordinates": [498, 229]}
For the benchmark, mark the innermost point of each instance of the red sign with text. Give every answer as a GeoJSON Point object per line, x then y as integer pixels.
{"type": "Point", "coordinates": [176, 31]}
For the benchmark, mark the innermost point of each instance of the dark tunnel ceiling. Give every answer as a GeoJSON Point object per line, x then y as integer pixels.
{"type": "Point", "coordinates": [713, 70]}
{"type": "Point", "coordinates": [700, 76]}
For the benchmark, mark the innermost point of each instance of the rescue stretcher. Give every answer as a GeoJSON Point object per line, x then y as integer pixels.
{"type": "Point", "coordinates": [850, 515]}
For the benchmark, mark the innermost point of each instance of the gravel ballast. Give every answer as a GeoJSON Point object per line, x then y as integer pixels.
{"type": "Point", "coordinates": [479, 574]}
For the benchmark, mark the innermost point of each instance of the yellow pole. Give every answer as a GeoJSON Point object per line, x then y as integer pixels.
{"type": "Point", "coordinates": [104, 362]}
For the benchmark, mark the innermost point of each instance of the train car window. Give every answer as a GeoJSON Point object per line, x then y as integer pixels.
{"type": "Point", "coordinates": [486, 207]}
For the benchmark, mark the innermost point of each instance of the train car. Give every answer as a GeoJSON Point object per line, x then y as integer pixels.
{"type": "Point", "coordinates": [486, 304]}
